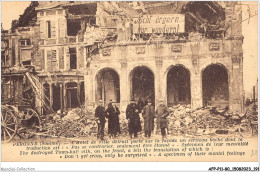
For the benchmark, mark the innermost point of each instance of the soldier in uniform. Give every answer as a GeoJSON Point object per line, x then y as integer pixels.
{"type": "Point", "coordinates": [161, 113]}
{"type": "Point", "coordinates": [132, 115]}
{"type": "Point", "coordinates": [100, 115]}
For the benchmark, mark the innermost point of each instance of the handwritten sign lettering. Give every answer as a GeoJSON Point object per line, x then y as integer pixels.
{"type": "Point", "coordinates": [164, 23]}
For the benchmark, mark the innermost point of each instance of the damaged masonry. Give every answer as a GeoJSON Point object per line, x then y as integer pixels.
{"type": "Point", "coordinates": [63, 55]}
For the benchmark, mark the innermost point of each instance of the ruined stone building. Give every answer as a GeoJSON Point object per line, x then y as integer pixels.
{"type": "Point", "coordinates": [81, 52]}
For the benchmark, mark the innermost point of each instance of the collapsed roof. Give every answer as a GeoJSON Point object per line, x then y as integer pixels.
{"type": "Point", "coordinates": [28, 15]}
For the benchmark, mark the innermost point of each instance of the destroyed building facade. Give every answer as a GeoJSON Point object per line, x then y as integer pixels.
{"type": "Point", "coordinates": [181, 52]}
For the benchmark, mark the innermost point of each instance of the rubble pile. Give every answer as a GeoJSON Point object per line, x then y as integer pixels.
{"type": "Point", "coordinates": [181, 120]}
{"type": "Point", "coordinates": [206, 120]}
{"type": "Point", "coordinates": [75, 123]}
{"type": "Point", "coordinates": [123, 125]}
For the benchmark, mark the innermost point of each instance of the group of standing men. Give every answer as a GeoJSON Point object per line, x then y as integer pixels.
{"type": "Point", "coordinates": [111, 113]}
{"type": "Point", "coordinates": [134, 121]}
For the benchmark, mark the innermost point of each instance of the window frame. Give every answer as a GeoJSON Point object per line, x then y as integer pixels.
{"type": "Point", "coordinates": [26, 41]}
{"type": "Point", "coordinates": [48, 25]}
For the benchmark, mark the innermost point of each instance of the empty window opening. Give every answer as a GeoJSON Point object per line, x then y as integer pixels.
{"type": "Point", "coordinates": [73, 58]}
{"type": "Point", "coordinates": [142, 84]}
{"type": "Point", "coordinates": [49, 29]}
{"type": "Point", "coordinates": [215, 86]}
{"type": "Point", "coordinates": [27, 63]}
{"type": "Point", "coordinates": [178, 86]}
{"type": "Point", "coordinates": [107, 86]}
{"type": "Point", "coordinates": [73, 27]}
{"type": "Point", "coordinates": [25, 42]}
{"type": "Point", "coordinates": [57, 99]}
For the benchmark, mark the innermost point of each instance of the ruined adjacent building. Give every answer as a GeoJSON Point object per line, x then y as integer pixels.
{"type": "Point", "coordinates": [181, 52]}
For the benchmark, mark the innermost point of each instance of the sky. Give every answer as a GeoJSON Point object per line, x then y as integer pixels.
{"type": "Point", "coordinates": [250, 46]}
{"type": "Point", "coordinates": [12, 9]}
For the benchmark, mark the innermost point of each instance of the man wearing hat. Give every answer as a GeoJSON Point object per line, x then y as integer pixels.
{"type": "Point", "coordinates": [161, 113]}
{"type": "Point", "coordinates": [148, 115]}
{"type": "Point", "coordinates": [132, 115]}
{"type": "Point", "coordinates": [112, 113]}
{"type": "Point", "coordinates": [100, 115]}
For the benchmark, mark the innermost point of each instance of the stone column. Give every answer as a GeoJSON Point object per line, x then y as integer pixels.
{"type": "Point", "coordinates": [64, 97]}
{"type": "Point", "coordinates": [234, 34]}
{"type": "Point", "coordinates": [195, 76]}
{"type": "Point", "coordinates": [78, 92]}
{"type": "Point", "coordinates": [17, 55]}
{"type": "Point", "coordinates": [196, 85]}
{"type": "Point", "coordinates": [51, 94]}
{"type": "Point", "coordinates": [158, 78]}
{"type": "Point", "coordinates": [164, 87]}
{"type": "Point", "coordinates": [88, 81]}
{"type": "Point", "coordinates": [61, 97]}
{"type": "Point", "coordinates": [123, 86]}
{"type": "Point", "coordinates": [236, 84]}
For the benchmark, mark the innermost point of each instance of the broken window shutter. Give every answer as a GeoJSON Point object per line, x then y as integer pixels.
{"type": "Point", "coordinates": [54, 60]}
{"type": "Point", "coordinates": [42, 57]}
{"type": "Point", "coordinates": [53, 29]}
{"type": "Point", "coordinates": [61, 26]}
{"type": "Point", "coordinates": [67, 58]}
{"type": "Point", "coordinates": [49, 59]}
{"type": "Point", "coordinates": [81, 57]}
{"type": "Point", "coordinates": [42, 29]}
{"type": "Point", "coordinates": [61, 58]}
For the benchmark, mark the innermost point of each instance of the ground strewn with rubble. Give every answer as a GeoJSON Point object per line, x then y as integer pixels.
{"type": "Point", "coordinates": [182, 121]}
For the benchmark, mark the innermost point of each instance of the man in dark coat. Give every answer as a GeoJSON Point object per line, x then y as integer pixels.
{"type": "Point", "coordinates": [100, 115]}
{"type": "Point", "coordinates": [132, 114]}
{"type": "Point", "coordinates": [113, 119]}
{"type": "Point", "coordinates": [148, 115]}
{"type": "Point", "coordinates": [140, 105]}
{"type": "Point", "coordinates": [161, 113]}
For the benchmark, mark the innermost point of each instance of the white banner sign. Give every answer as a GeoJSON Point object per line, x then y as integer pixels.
{"type": "Point", "coordinates": [160, 23]}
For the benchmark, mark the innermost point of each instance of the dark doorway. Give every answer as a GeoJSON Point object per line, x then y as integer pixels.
{"type": "Point", "coordinates": [215, 85]}
{"type": "Point", "coordinates": [178, 86]}
{"type": "Point", "coordinates": [108, 86]}
{"type": "Point", "coordinates": [73, 58]}
{"type": "Point", "coordinates": [82, 93]}
{"type": "Point", "coordinates": [142, 84]}
{"type": "Point", "coordinates": [72, 95]}
{"type": "Point", "coordinates": [56, 97]}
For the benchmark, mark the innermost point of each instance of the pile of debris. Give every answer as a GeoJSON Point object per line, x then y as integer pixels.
{"type": "Point", "coordinates": [181, 121]}
{"type": "Point", "coordinates": [75, 123]}
{"type": "Point", "coordinates": [206, 120]}
{"type": "Point", "coordinates": [123, 125]}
